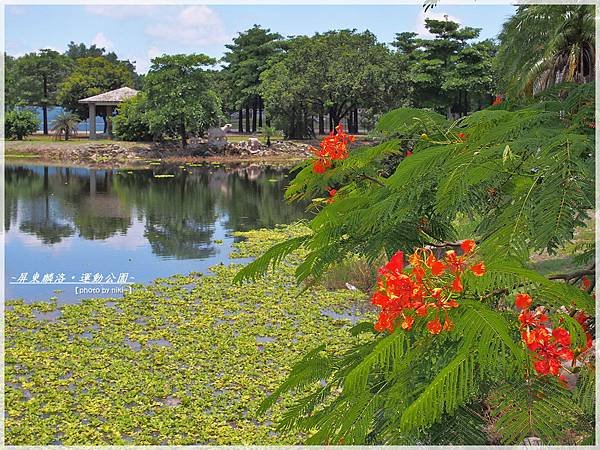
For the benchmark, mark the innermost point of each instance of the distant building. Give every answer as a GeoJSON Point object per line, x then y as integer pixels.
{"type": "Point", "coordinates": [108, 100]}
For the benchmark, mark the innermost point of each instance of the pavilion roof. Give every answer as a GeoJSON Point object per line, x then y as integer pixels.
{"type": "Point", "coordinates": [116, 96]}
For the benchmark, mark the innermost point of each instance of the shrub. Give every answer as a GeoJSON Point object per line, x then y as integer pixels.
{"type": "Point", "coordinates": [20, 123]}
{"type": "Point", "coordinates": [131, 123]}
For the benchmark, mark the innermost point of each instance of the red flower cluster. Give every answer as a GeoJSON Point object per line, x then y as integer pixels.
{"type": "Point", "coordinates": [497, 100]}
{"type": "Point", "coordinates": [333, 146]}
{"type": "Point", "coordinates": [550, 346]}
{"type": "Point", "coordinates": [432, 284]}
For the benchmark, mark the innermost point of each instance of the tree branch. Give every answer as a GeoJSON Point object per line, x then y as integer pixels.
{"type": "Point", "coordinates": [374, 180]}
{"type": "Point", "coordinates": [574, 275]}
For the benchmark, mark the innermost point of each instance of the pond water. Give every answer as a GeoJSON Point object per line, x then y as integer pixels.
{"type": "Point", "coordinates": [73, 233]}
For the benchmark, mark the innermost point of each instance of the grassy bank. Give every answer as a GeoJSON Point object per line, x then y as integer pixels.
{"type": "Point", "coordinates": [184, 360]}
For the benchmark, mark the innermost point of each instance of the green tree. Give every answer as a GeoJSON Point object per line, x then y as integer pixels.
{"type": "Point", "coordinates": [92, 76]}
{"type": "Point", "coordinates": [471, 80]}
{"type": "Point", "coordinates": [131, 122]}
{"type": "Point", "coordinates": [37, 77]}
{"type": "Point", "coordinates": [181, 99]}
{"type": "Point", "coordinates": [65, 123]}
{"type": "Point", "coordinates": [446, 73]}
{"type": "Point", "coordinates": [77, 51]}
{"type": "Point", "coordinates": [334, 73]}
{"type": "Point", "coordinates": [11, 92]}
{"type": "Point", "coordinates": [543, 45]}
{"type": "Point", "coordinates": [20, 123]}
{"type": "Point", "coordinates": [248, 56]}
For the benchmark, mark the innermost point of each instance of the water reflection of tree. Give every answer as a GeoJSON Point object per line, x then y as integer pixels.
{"type": "Point", "coordinates": [179, 211]}
{"type": "Point", "coordinates": [54, 202]}
{"type": "Point", "coordinates": [28, 199]}
{"type": "Point", "coordinates": [254, 199]}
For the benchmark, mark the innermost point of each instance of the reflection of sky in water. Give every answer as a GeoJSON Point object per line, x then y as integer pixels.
{"type": "Point", "coordinates": [73, 221]}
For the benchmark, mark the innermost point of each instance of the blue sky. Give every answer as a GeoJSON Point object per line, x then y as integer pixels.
{"type": "Point", "coordinates": [141, 32]}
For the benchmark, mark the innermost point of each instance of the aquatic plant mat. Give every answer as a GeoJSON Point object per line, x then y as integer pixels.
{"type": "Point", "coordinates": [184, 360]}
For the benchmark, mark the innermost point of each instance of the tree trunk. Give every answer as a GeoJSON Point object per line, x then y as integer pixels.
{"type": "Point", "coordinates": [330, 121]}
{"type": "Point", "coordinates": [66, 134]}
{"type": "Point", "coordinates": [45, 106]}
{"type": "Point", "coordinates": [335, 120]}
{"type": "Point", "coordinates": [254, 110]}
{"type": "Point", "coordinates": [240, 121]}
{"type": "Point", "coordinates": [260, 111]}
{"type": "Point", "coordinates": [183, 133]}
{"type": "Point", "coordinates": [321, 123]}
{"type": "Point", "coordinates": [247, 119]}
{"type": "Point", "coordinates": [355, 120]}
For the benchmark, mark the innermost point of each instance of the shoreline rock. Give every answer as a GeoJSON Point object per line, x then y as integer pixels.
{"type": "Point", "coordinates": [102, 153]}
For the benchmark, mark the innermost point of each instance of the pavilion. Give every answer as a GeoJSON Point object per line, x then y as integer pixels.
{"type": "Point", "coordinates": [108, 100]}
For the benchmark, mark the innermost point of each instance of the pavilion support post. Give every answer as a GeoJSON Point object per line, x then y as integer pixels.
{"type": "Point", "coordinates": [109, 110]}
{"type": "Point", "coordinates": [92, 121]}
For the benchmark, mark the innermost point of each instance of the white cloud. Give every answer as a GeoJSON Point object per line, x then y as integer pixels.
{"type": "Point", "coordinates": [193, 25]}
{"type": "Point", "coordinates": [142, 64]}
{"type": "Point", "coordinates": [121, 12]}
{"type": "Point", "coordinates": [420, 25]}
{"type": "Point", "coordinates": [100, 40]}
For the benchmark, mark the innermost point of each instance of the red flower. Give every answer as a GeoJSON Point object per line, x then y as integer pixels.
{"type": "Point", "coordinates": [395, 264]}
{"type": "Point", "coordinates": [586, 283]}
{"type": "Point", "coordinates": [497, 100]}
{"type": "Point", "coordinates": [457, 285]}
{"type": "Point", "coordinates": [434, 326]}
{"type": "Point", "coordinates": [542, 367]}
{"type": "Point", "coordinates": [384, 323]}
{"type": "Point", "coordinates": [467, 245]}
{"type": "Point", "coordinates": [332, 147]}
{"type": "Point", "coordinates": [528, 319]}
{"type": "Point", "coordinates": [422, 311]}
{"type": "Point", "coordinates": [549, 348]}
{"type": "Point", "coordinates": [522, 301]}
{"type": "Point", "coordinates": [478, 269]}
{"type": "Point", "coordinates": [426, 285]}
{"type": "Point", "coordinates": [319, 166]}
{"type": "Point", "coordinates": [561, 336]}
{"type": "Point", "coordinates": [408, 153]}
{"type": "Point", "coordinates": [438, 268]}
{"type": "Point", "coordinates": [408, 323]}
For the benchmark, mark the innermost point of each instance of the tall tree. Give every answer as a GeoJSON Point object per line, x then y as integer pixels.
{"type": "Point", "coordinates": [77, 51]}
{"type": "Point", "coordinates": [543, 45]}
{"type": "Point", "coordinates": [435, 66]}
{"type": "Point", "coordinates": [92, 76]}
{"type": "Point", "coordinates": [11, 95]}
{"type": "Point", "coordinates": [248, 56]}
{"type": "Point", "coordinates": [471, 78]}
{"type": "Point", "coordinates": [37, 76]}
{"type": "Point", "coordinates": [334, 72]}
{"type": "Point", "coordinates": [181, 99]}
